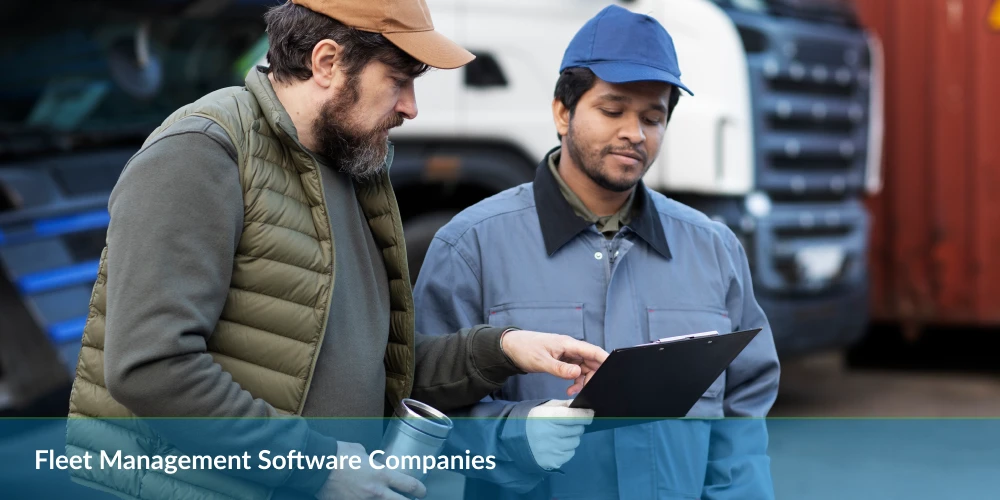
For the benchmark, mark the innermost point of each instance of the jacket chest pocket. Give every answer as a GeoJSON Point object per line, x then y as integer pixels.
{"type": "Point", "coordinates": [550, 317]}
{"type": "Point", "coordinates": [678, 320]}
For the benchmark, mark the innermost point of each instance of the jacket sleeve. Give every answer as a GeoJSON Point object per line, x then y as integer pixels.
{"type": "Point", "coordinates": [739, 466]}
{"type": "Point", "coordinates": [176, 218]}
{"type": "Point", "coordinates": [448, 295]}
{"type": "Point", "coordinates": [457, 369]}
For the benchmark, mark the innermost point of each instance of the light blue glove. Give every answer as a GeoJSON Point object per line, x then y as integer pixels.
{"type": "Point", "coordinates": [554, 431]}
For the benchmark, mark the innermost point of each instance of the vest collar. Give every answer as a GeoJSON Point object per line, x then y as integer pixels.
{"type": "Point", "coordinates": [271, 108]}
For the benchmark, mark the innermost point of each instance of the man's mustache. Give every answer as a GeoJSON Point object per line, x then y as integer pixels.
{"type": "Point", "coordinates": [626, 151]}
{"type": "Point", "coordinates": [391, 123]}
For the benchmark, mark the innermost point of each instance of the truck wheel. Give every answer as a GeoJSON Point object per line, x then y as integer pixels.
{"type": "Point", "coordinates": [419, 231]}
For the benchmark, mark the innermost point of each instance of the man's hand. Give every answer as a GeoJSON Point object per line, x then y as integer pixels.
{"type": "Point", "coordinates": [560, 355]}
{"type": "Point", "coordinates": [554, 431]}
{"type": "Point", "coordinates": [367, 483]}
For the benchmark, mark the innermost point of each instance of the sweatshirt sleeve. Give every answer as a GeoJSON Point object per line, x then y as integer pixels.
{"type": "Point", "coordinates": [176, 219]}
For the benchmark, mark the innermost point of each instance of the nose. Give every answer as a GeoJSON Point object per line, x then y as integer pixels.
{"type": "Point", "coordinates": [407, 103]}
{"type": "Point", "coordinates": [631, 131]}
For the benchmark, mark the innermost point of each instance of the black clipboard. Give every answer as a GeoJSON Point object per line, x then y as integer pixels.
{"type": "Point", "coordinates": [659, 380]}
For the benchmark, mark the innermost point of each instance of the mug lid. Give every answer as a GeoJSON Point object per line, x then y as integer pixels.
{"type": "Point", "coordinates": [424, 418]}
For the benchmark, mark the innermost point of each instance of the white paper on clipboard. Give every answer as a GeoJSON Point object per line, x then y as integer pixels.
{"type": "Point", "coordinates": [686, 337]}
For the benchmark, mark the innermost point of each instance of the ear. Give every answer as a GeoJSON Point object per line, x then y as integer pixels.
{"type": "Point", "coordinates": [325, 57]}
{"type": "Point", "coordinates": [672, 101]}
{"type": "Point", "coordinates": [561, 116]}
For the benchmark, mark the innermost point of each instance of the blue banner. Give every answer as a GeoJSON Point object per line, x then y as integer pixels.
{"type": "Point", "coordinates": [488, 458]}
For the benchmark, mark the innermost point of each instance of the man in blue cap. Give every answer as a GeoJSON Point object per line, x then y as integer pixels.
{"type": "Point", "coordinates": [589, 251]}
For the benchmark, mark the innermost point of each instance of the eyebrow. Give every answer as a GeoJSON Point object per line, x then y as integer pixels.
{"type": "Point", "coordinates": [615, 98]}
{"type": "Point", "coordinates": [626, 99]}
{"type": "Point", "coordinates": [412, 72]}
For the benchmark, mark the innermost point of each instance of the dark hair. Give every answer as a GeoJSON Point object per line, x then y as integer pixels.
{"type": "Point", "coordinates": [574, 82]}
{"type": "Point", "coordinates": [293, 31]}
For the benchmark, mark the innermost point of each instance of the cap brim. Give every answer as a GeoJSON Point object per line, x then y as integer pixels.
{"type": "Point", "coordinates": [624, 72]}
{"type": "Point", "coordinates": [431, 48]}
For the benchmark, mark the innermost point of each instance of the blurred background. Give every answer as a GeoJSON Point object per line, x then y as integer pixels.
{"type": "Point", "coordinates": [851, 145]}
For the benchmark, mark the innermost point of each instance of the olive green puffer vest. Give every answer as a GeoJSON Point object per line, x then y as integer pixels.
{"type": "Point", "coordinates": [275, 315]}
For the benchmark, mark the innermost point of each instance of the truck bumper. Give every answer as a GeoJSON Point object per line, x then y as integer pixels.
{"type": "Point", "coordinates": [803, 324]}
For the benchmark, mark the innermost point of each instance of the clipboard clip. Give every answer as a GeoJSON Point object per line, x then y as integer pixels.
{"type": "Point", "coordinates": [667, 340]}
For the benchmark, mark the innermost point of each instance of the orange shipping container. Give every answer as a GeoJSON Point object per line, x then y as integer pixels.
{"type": "Point", "coordinates": [935, 256]}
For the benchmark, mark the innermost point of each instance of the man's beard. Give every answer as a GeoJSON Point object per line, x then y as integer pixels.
{"type": "Point", "coordinates": [360, 154]}
{"type": "Point", "coordinates": [590, 163]}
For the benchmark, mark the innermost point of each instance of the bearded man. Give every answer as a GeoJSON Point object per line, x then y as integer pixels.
{"type": "Point", "coordinates": [255, 267]}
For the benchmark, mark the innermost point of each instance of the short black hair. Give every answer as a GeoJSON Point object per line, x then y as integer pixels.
{"type": "Point", "coordinates": [293, 31]}
{"type": "Point", "coordinates": [576, 81]}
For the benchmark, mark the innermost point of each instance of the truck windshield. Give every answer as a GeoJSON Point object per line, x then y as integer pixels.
{"type": "Point", "coordinates": [110, 69]}
{"type": "Point", "coordinates": [835, 11]}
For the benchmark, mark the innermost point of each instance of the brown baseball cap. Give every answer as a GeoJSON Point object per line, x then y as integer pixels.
{"type": "Point", "coordinates": [405, 23]}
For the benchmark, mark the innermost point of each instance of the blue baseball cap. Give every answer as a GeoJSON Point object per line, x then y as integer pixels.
{"type": "Point", "coordinates": [620, 46]}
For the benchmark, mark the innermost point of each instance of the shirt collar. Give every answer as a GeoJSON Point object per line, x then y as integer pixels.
{"type": "Point", "coordinates": [560, 223]}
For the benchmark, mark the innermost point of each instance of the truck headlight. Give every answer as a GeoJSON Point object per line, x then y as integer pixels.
{"type": "Point", "coordinates": [758, 204]}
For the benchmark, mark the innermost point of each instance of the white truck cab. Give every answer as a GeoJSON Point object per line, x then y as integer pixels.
{"type": "Point", "coordinates": [781, 140]}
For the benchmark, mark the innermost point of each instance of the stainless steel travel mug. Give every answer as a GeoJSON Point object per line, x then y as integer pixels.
{"type": "Point", "coordinates": [416, 430]}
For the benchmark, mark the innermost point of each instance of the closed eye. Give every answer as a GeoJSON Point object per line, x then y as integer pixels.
{"type": "Point", "coordinates": [399, 80]}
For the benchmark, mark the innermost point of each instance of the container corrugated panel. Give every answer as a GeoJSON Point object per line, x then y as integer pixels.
{"type": "Point", "coordinates": [935, 254]}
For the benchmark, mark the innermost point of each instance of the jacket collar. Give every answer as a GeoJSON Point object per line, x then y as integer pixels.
{"type": "Point", "coordinates": [560, 224]}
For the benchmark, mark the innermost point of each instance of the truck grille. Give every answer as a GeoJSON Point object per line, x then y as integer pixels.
{"type": "Point", "coordinates": [796, 227]}
{"type": "Point", "coordinates": [810, 100]}
{"type": "Point", "coordinates": [51, 239]}
{"type": "Point", "coordinates": [811, 91]}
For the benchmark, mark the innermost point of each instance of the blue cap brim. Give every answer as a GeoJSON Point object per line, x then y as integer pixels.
{"type": "Point", "coordinates": [625, 72]}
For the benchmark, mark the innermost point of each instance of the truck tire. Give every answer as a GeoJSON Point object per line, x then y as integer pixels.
{"type": "Point", "coordinates": [419, 232]}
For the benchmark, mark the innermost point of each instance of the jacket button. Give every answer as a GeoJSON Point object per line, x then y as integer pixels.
{"type": "Point", "coordinates": [598, 255]}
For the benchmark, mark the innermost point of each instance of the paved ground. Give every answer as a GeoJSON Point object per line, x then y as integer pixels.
{"type": "Point", "coordinates": [918, 446]}
{"type": "Point", "coordinates": [824, 387]}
